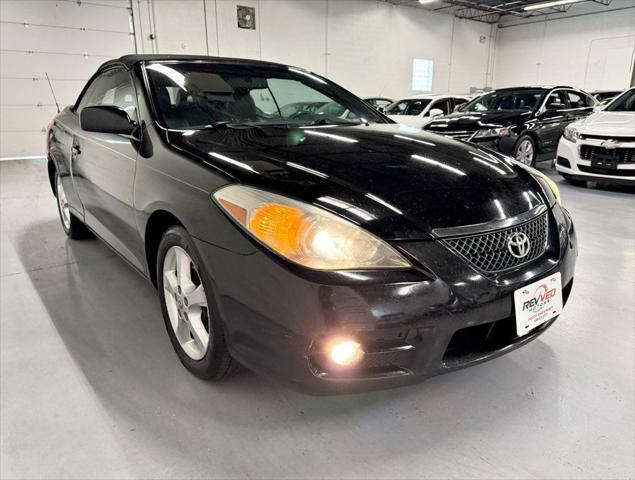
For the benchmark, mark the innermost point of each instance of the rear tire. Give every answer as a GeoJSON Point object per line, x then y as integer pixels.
{"type": "Point", "coordinates": [525, 151]}
{"type": "Point", "coordinates": [73, 226]}
{"type": "Point", "coordinates": [189, 311]}
{"type": "Point", "coordinates": [573, 181]}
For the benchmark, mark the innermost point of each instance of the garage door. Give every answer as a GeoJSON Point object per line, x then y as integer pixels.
{"type": "Point", "coordinates": [68, 39]}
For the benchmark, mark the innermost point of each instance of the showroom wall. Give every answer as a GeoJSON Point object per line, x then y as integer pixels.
{"type": "Point", "coordinates": [69, 39]}
{"type": "Point", "coordinates": [62, 38]}
{"type": "Point", "coordinates": [332, 37]}
{"type": "Point", "coordinates": [367, 46]}
{"type": "Point", "coordinates": [591, 47]}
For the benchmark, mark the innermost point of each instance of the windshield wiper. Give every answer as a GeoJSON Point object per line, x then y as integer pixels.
{"type": "Point", "coordinates": [225, 124]}
{"type": "Point", "coordinates": [328, 121]}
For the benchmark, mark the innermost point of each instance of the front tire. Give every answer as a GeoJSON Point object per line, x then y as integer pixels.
{"type": "Point", "coordinates": [190, 315]}
{"type": "Point", "coordinates": [525, 151]}
{"type": "Point", "coordinates": [73, 226]}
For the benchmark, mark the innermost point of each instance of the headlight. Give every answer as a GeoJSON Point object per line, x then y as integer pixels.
{"type": "Point", "coordinates": [493, 132]}
{"type": "Point", "coordinates": [543, 179]}
{"type": "Point", "coordinates": [571, 133]}
{"type": "Point", "coordinates": [305, 234]}
{"type": "Point", "coordinates": [552, 185]}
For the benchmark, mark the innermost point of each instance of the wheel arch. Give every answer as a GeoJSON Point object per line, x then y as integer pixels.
{"type": "Point", "coordinates": [51, 171]}
{"type": "Point", "coordinates": [158, 222]}
{"type": "Point", "coordinates": [531, 134]}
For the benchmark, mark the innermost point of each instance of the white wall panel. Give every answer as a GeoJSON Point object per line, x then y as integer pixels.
{"type": "Point", "coordinates": [22, 144]}
{"type": "Point", "coordinates": [294, 33]}
{"type": "Point", "coordinates": [22, 118]}
{"type": "Point", "coordinates": [234, 41]}
{"type": "Point", "coordinates": [27, 66]}
{"type": "Point", "coordinates": [180, 26]}
{"type": "Point", "coordinates": [590, 51]}
{"type": "Point", "coordinates": [103, 15]}
{"type": "Point", "coordinates": [39, 37]}
{"type": "Point", "coordinates": [47, 39]}
{"type": "Point", "coordinates": [469, 55]}
{"type": "Point", "coordinates": [36, 91]}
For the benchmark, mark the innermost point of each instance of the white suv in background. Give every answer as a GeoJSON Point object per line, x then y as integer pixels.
{"type": "Point", "coordinates": [417, 111]}
{"type": "Point", "coordinates": [601, 147]}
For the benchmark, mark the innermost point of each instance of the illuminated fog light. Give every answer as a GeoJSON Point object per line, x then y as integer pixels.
{"type": "Point", "coordinates": [345, 353]}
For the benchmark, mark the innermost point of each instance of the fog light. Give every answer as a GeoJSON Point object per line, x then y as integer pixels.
{"type": "Point", "coordinates": [345, 352]}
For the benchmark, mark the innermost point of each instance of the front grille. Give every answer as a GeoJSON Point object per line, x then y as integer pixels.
{"type": "Point", "coordinates": [620, 155]}
{"type": "Point", "coordinates": [476, 342]}
{"type": "Point", "coordinates": [607, 137]}
{"type": "Point", "coordinates": [458, 134]}
{"type": "Point", "coordinates": [614, 172]}
{"type": "Point", "coordinates": [488, 252]}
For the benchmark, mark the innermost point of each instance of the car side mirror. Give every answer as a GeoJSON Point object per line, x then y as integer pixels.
{"type": "Point", "coordinates": [106, 119]}
{"type": "Point", "coordinates": [435, 112]}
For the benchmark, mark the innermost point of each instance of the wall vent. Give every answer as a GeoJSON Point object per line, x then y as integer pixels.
{"type": "Point", "coordinates": [246, 17]}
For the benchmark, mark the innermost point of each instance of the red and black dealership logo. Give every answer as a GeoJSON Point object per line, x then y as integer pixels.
{"type": "Point", "coordinates": [541, 297]}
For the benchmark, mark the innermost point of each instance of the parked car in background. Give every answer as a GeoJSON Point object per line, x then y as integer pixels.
{"type": "Point", "coordinates": [300, 108]}
{"type": "Point", "coordinates": [601, 147]}
{"type": "Point", "coordinates": [524, 122]}
{"type": "Point", "coordinates": [604, 96]}
{"type": "Point", "coordinates": [332, 253]}
{"type": "Point", "coordinates": [378, 102]}
{"type": "Point", "coordinates": [418, 110]}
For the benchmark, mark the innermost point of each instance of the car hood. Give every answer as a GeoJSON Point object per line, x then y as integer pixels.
{"type": "Point", "coordinates": [612, 124]}
{"type": "Point", "coordinates": [396, 181]}
{"type": "Point", "coordinates": [475, 120]}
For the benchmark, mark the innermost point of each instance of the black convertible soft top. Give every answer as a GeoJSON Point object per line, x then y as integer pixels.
{"type": "Point", "coordinates": [129, 60]}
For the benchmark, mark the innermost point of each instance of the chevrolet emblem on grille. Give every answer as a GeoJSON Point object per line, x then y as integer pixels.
{"type": "Point", "coordinates": [610, 144]}
{"type": "Point", "coordinates": [518, 244]}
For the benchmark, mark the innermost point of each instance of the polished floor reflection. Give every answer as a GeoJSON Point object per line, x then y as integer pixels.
{"type": "Point", "coordinates": [91, 388]}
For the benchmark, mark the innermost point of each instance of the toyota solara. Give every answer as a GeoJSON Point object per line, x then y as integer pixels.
{"type": "Point", "coordinates": [332, 248]}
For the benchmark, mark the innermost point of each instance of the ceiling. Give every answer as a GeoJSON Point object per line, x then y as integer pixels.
{"type": "Point", "coordinates": [490, 11]}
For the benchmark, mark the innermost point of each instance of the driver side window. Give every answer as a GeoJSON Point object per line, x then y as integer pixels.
{"type": "Point", "coordinates": [441, 105]}
{"type": "Point", "coordinates": [113, 87]}
{"type": "Point", "coordinates": [264, 101]}
{"type": "Point", "coordinates": [556, 101]}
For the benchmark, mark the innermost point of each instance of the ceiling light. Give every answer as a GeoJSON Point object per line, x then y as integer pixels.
{"type": "Point", "coordinates": [555, 3]}
{"type": "Point", "coordinates": [423, 2]}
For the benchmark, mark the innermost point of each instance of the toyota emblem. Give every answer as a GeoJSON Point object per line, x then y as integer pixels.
{"type": "Point", "coordinates": [518, 244]}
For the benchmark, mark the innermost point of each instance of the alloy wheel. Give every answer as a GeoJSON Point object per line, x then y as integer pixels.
{"type": "Point", "coordinates": [525, 152]}
{"type": "Point", "coordinates": [186, 303]}
{"type": "Point", "coordinates": [65, 212]}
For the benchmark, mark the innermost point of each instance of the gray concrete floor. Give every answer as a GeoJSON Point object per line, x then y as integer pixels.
{"type": "Point", "coordinates": [90, 386]}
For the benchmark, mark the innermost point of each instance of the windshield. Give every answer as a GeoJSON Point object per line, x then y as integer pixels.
{"type": "Point", "coordinates": [623, 103]}
{"type": "Point", "coordinates": [200, 95]}
{"type": "Point", "coordinates": [601, 96]}
{"type": "Point", "coordinates": [513, 100]}
{"type": "Point", "coordinates": [407, 107]}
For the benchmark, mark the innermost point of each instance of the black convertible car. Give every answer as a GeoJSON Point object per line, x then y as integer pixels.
{"type": "Point", "coordinates": [525, 122]}
{"type": "Point", "coordinates": [336, 251]}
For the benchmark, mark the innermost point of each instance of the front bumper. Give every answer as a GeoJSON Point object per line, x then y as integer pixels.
{"type": "Point", "coordinates": [569, 163]}
{"type": "Point", "coordinates": [413, 324]}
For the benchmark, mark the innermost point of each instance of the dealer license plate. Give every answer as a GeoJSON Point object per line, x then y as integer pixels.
{"type": "Point", "coordinates": [537, 303]}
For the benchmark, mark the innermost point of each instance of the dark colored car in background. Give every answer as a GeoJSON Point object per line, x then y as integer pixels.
{"type": "Point", "coordinates": [335, 254]}
{"type": "Point", "coordinates": [604, 96]}
{"type": "Point", "coordinates": [524, 122]}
